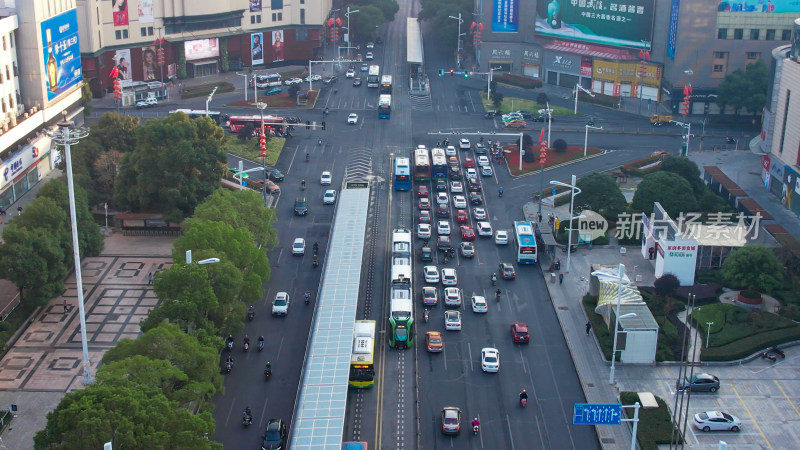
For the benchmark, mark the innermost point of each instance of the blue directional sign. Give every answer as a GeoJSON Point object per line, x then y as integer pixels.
{"type": "Point", "coordinates": [596, 414]}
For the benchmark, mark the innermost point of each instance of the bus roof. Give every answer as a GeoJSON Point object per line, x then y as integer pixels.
{"type": "Point", "coordinates": [401, 274]}
{"type": "Point", "coordinates": [525, 234]}
{"type": "Point", "coordinates": [386, 79]}
{"type": "Point", "coordinates": [402, 161]}
{"type": "Point", "coordinates": [402, 305]}
{"type": "Point", "coordinates": [385, 99]}
{"type": "Point", "coordinates": [374, 70]}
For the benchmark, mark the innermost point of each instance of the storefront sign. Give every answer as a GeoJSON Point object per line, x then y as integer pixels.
{"type": "Point", "coordinates": [586, 66]}
{"type": "Point", "coordinates": [562, 62]}
{"type": "Point", "coordinates": [765, 162]}
{"type": "Point", "coordinates": [501, 53]}
{"type": "Point", "coordinates": [532, 55]}
{"type": "Point", "coordinates": [18, 164]}
{"type": "Point", "coordinates": [776, 170]}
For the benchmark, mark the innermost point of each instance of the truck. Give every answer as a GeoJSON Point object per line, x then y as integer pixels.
{"type": "Point", "coordinates": [659, 119]}
{"type": "Point", "coordinates": [146, 103]}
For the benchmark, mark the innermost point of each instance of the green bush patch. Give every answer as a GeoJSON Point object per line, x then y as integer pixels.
{"type": "Point", "coordinates": [655, 425]}
{"type": "Point", "coordinates": [203, 90]}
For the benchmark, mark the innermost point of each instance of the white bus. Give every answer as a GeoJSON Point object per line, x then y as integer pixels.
{"type": "Point", "coordinates": [525, 242]}
{"type": "Point", "coordinates": [373, 76]}
{"type": "Point", "coordinates": [268, 80]}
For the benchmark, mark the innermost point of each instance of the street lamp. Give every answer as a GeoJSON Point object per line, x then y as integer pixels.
{"type": "Point", "coordinates": [577, 87]}
{"type": "Point", "coordinates": [202, 261]}
{"type": "Point", "coordinates": [620, 278]}
{"type": "Point", "coordinates": [489, 82]}
{"type": "Point", "coordinates": [458, 41]}
{"type": "Point", "coordinates": [549, 113]}
{"type": "Point", "coordinates": [210, 96]}
{"type": "Point", "coordinates": [574, 188]}
{"type": "Point", "coordinates": [349, 31]}
{"type": "Point", "coordinates": [67, 136]}
{"type": "Point", "coordinates": [586, 137]}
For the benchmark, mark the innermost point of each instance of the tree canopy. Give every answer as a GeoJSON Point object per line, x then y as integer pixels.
{"type": "Point", "coordinates": [687, 169]}
{"type": "Point", "coordinates": [601, 194]}
{"type": "Point", "coordinates": [242, 208]}
{"type": "Point", "coordinates": [745, 89]}
{"type": "Point", "coordinates": [34, 261]}
{"type": "Point", "coordinates": [671, 190]}
{"type": "Point", "coordinates": [753, 267]}
{"type": "Point", "coordinates": [177, 163]}
{"type": "Point", "coordinates": [90, 239]}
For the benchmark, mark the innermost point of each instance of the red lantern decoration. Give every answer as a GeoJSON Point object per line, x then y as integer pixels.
{"type": "Point", "coordinates": [262, 142]}
{"type": "Point", "coordinates": [117, 89]}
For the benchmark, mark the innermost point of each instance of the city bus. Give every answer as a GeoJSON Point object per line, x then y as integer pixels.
{"type": "Point", "coordinates": [268, 80]}
{"type": "Point", "coordinates": [402, 174]}
{"type": "Point", "coordinates": [236, 123]}
{"type": "Point", "coordinates": [401, 243]}
{"type": "Point", "coordinates": [373, 76]}
{"type": "Point", "coordinates": [385, 106]}
{"type": "Point", "coordinates": [439, 167]}
{"type": "Point", "coordinates": [355, 446]}
{"type": "Point", "coordinates": [386, 84]}
{"type": "Point", "coordinates": [362, 357]}
{"type": "Point", "coordinates": [401, 316]}
{"type": "Point", "coordinates": [216, 116]}
{"type": "Point", "coordinates": [525, 242]}
{"type": "Point", "coordinates": [422, 165]}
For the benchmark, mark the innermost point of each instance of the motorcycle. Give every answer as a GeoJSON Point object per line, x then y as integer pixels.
{"type": "Point", "coordinates": [494, 280]}
{"type": "Point", "coordinates": [251, 315]}
{"type": "Point", "coordinates": [523, 402]}
{"type": "Point", "coordinates": [228, 365]}
{"type": "Point", "coordinates": [307, 298]}
{"type": "Point", "coordinates": [497, 295]}
{"type": "Point", "coordinates": [260, 344]}
{"type": "Point", "coordinates": [267, 373]}
{"type": "Point", "coordinates": [500, 191]}
{"type": "Point", "coordinates": [475, 429]}
{"type": "Point", "coordinates": [247, 420]}
{"type": "Point", "coordinates": [426, 316]}
{"type": "Point", "coordinates": [303, 185]}
{"type": "Point", "coordinates": [246, 346]}
{"type": "Point", "coordinates": [308, 157]}
{"type": "Point", "coordinates": [778, 352]}
{"type": "Point", "coordinates": [769, 356]}
{"type": "Point", "coordinates": [230, 345]}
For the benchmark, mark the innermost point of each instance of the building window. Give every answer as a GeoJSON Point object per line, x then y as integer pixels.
{"type": "Point", "coordinates": [754, 35]}
{"type": "Point", "coordinates": [786, 35]}
{"type": "Point", "coordinates": [754, 56]}
{"type": "Point", "coordinates": [149, 31]}
{"type": "Point", "coordinates": [118, 34]}
{"type": "Point", "coordinates": [280, 16]}
{"type": "Point", "coordinates": [301, 34]}
{"type": "Point", "coordinates": [274, 17]}
{"type": "Point", "coordinates": [144, 31]}
{"type": "Point", "coordinates": [720, 55]}
{"type": "Point", "coordinates": [302, 2]}
{"type": "Point", "coordinates": [738, 34]}
{"type": "Point", "coordinates": [719, 68]}
{"type": "Point", "coordinates": [302, 16]}
{"type": "Point", "coordinates": [4, 42]}
{"type": "Point", "coordinates": [785, 117]}
{"type": "Point", "coordinates": [722, 33]}
{"type": "Point", "coordinates": [124, 34]}
{"type": "Point", "coordinates": [252, 19]}
{"type": "Point", "coordinates": [770, 35]}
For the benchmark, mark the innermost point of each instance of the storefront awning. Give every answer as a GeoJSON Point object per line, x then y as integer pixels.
{"type": "Point", "coordinates": [590, 50]}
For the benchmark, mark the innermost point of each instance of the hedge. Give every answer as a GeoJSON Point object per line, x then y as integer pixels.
{"type": "Point", "coordinates": [655, 425]}
{"type": "Point", "coordinates": [204, 90]}
{"type": "Point", "coordinates": [749, 345]}
{"type": "Point", "coordinates": [633, 168]}
{"type": "Point", "coordinates": [517, 80]}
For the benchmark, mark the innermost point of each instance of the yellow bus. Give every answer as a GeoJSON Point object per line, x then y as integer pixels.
{"type": "Point", "coordinates": [362, 357]}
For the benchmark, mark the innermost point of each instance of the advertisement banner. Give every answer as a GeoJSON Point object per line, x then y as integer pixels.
{"type": "Point", "coordinates": [505, 16]}
{"type": "Point", "coordinates": [255, 5]}
{"type": "Point", "coordinates": [672, 37]}
{"type": "Point", "coordinates": [149, 63]}
{"type": "Point", "coordinates": [586, 66]}
{"type": "Point", "coordinates": [608, 23]}
{"type": "Point", "coordinates": [172, 71]}
{"type": "Point", "coordinates": [759, 6]}
{"type": "Point", "coordinates": [62, 55]}
{"type": "Point", "coordinates": [20, 162]}
{"type": "Point", "coordinates": [257, 48]}
{"type": "Point", "coordinates": [119, 11]}
{"type": "Point", "coordinates": [123, 61]}
{"type": "Point", "coordinates": [277, 45]}
{"type": "Point", "coordinates": [145, 11]}
{"type": "Point", "coordinates": [201, 49]}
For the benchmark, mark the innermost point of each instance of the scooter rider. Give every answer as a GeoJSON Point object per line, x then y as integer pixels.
{"type": "Point", "coordinates": [229, 341]}
{"type": "Point", "coordinates": [302, 184]}
{"type": "Point", "coordinates": [523, 396]}
{"type": "Point", "coordinates": [307, 296]}
{"type": "Point", "coordinates": [500, 191]}
{"type": "Point", "coordinates": [268, 369]}
{"type": "Point", "coordinates": [476, 424]}
{"type": "Point", "coordinates": [316, 248]}
{"type": "Point", "coordinates": [246, 342]}
{"type": "Point", "coordinates": [494, 279]}
{"type": "Point", "coordinates": [497, 294]}
{"type": "Point", "coordinates": [260, 342]}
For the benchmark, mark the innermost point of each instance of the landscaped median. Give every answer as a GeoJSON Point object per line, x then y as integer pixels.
{"type": "Point", "coordinates": [655, 425]}
{"type": "Point", "coordinates": [553, 158]}
{"type": "Point", "coordinates": [249, 149]}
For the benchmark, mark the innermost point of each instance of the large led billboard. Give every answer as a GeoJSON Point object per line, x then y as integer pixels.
{"type": "Point", "coordinates": [505, 16]}
{"type": "Point", "coordinates": [201, 49]}
{"type": "Point", "coordinates": [760, 6]}
{"type": "Point", "coordinates": [627, 24]}
{"type": "Point", "coordinates": [62, 54]}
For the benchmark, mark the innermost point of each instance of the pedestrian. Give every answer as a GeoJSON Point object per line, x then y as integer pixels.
{"type": "Point", "coordinates": [2, 211]}
{"type": "Point", "coordinates": [150, 278]}
{"type": "Point", "coordinates": [588, 327]}
{"type": "Point", "coordinates": [561, 278]}
{"type": "Point", "coordinates": [66, 307]}
{"type": "Point", "coordinates": [19, 210]}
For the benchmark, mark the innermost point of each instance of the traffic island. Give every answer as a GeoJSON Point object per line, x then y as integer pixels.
{"type": "Point", "coordinates": [553, 158]}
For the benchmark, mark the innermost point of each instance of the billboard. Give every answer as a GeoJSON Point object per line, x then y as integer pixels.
{"type": "Point", "coordinates": [255, 5]}
{"type": "Point", "coordinates": [277, 45]}
{"type": "Point", "coordinates": [606, 23]}
{"type": "Point", "coordinates": [119, 12]}
{"type": "Point", "coordinates": [759, 6]}
{"type": "Point", "coordinates": [505, 16]}
{"type": "Point", "coordinates": [201, 49]}
{"type": "Point", "coordinates": [672, 37]}
{"type": "Point", "coordinates": [122, 59]}
{"type": "Point", "coordinates": [257, 48]}
{"type": "Point", "coordinates": [149, 63]}
{"type": "Point", "coordinates": [145, 11]}
{"type": "Point", "coordinates": [61, 52]}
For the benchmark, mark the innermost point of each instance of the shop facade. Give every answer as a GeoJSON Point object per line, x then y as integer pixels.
{"type": "Point", "coordinates": [25, 168]}
{"type": "Point", "coordinates": [522, 59]}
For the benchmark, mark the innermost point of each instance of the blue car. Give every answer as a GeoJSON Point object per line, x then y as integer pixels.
{"type": "Point", "coordinates": [274, 91]}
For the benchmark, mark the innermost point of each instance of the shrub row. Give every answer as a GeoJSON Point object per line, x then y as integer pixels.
{"type": "Point", "coordinates": [749, 345]}
{"type": "Point", "coordinates": [655, 425]}
{"type": "Point", "coordinates": [205, 89]}
{"type": "Point", "coordinates": [633, 168]}
{"type": "Point", "coordinates": [517, 80]}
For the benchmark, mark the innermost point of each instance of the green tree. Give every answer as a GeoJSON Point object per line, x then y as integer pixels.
{"type": "Point", "coordinates": [34, 261]}
{"type": "Point", "coordinates": [687, 169]}
{"type": "Point", "coordinates": [671, 190]}
{"type": "Point", "coordinates": [45, 216]}
{"type": "Point", "coordinates": [177, 163]}
{"type": "Point", "coordinates": [601, 194]}
{"type": "Point", "coordinates": [666, 284]}
{"type": "Point", "coordinates": [757, 75]}
{"type": "Point", "coordinates": [117, 131]}
{"type": "Point", "coordinates": [753, 267]}
{"type": "Point", "coordinates": [243, 208]}
{"type": "Point", "coordinates": [187, 299]}
{"type": "Point", "coordinates": [90, 239]}
{"type": "Point", "coordinates": [366, 20]}
{"type": "Point", "coordinates": [128, 416]}
{"type": "Point", "coordinates": [745, 89]}
{"type": "Point", "coordinates": [497, 99]}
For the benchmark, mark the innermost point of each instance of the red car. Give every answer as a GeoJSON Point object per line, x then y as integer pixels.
{"type": "Point", "coordinates": [461, 216]}
{"type": "Point", "coordinates": [519, 332]}
{"type": "Point", "coordinates": [469, 162]}
{"type": "Point", "coordinates": [467, 233]}
{"type": "Point", "coordinates": [422, 191]}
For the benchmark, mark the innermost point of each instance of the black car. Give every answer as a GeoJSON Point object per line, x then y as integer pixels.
{"type": "Point", "coordinates": [442, 211]}
{"type": "Point", "coordinates": [475, 198]}
{"type": "Point", "coordinates": [275, 175]}
{"type": "Point", "coordinates": [275, 435]}
{"type": "Point", "coordinates": [356, 82]}
{"type": "Point", "coordinates": [379, 41]}
{"type": "Point", "coordinates": [441, 185]}
{"type": "Point", "coordinates": [541, 118]}
{"type": "Point", "coordinates": [426, 254]}
{"type": "Point", "coordinates": [443, 243]}
{"type": "Point", "coordinates": [525, 113]}
{"type": "Point", "coordinates": [301, 206]}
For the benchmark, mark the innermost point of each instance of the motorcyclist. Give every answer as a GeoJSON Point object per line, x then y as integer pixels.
{"type": "Point", "coordinates": [229, 341]}
{"type": "Point", "coordinates": [229, 363]}
{"type": "Point", "coordinates": [315, 260]}
{"type": "Point", "coordinates": [316, 248]}
{"type": "Point", "coordinates": [248, 414]}
{"type": "Point", "coordinates": [497, 294]}
{"type": "Point", "coordinates": [523, 395]}
{"type": "Point", "coordinates": [426, 314]}
{"type": "Point", "coordinates": [268, 369]}
{"type": "Point", "coordinates": [251, 311]}
{"type": "Point", "coordinates": [246, 340]}
{"type": "Point", "coordinates": [307, 296]}
{"type": "Point", "coordinates": [308, 156]}
{"type": "Point", "coordinates": [500, 191]}
{"type": "Point", "coordinates": [476, 422]}
{"type": "Point", "coordinates": [260, 341]}
{"type": "Point", "coordinates": [494, 278]}
{"type": "Point", "coordinates": [302, 184]}
{"type": "Point", "coordinates": [326, 111]}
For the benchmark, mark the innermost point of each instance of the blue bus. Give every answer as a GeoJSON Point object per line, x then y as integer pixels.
{"type": "Point", "coordinates": [385, 106]}
{"type": "Point", "coordinates": [402, 174]}
{"type": "Point", "coordinates": [439, 167]}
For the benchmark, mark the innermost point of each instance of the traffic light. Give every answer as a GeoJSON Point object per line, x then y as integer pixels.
{"type": "Point", "coordinates": [323, 125]}
{"type": "Point", "coordinates": [441, 72]}
{"type": "Point", "coordinates": [466, 74]}
{"type": "Point", "coordinates": [452, 72]}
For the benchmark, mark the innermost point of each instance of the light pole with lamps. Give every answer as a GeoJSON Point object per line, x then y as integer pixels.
{"type": "Point", "coordinates": [489, 82]}
{"type": "Point", "coordinates": [577, 87]}
{"type": "Point", "coordinates": [620, 278]}
{"type": "Point", "coordinates": [67, 136]}
{"type": "Point", "coordinates": [349, 31]}
{"type": "Point", "coordinates": [573, 186]}
{"type": "Point", "coordinates": [202, 261]}
{"type": "Point", "coordinates": [210, 96]}
{"type": "Point", "coordinates": [708, 332]}
{"type": "Point", "coordinates": [549, 113]}
{"type": "Point", "coordinates": [458, 41]}
{"type": "Point", "coordinates": [586, 137]}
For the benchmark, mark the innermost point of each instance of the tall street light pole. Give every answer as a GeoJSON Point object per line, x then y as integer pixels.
{"type": "Point", "coordinates": [458, 41]}
{"type": "Point", "coordinates": [586, 137]}
{"type": "Point", "coordinates": [67, 136]}
{"type": "Point", "coordinates": [573, 187]}
{"type": "Point", "coordinates": [349, 31]}
{"type": "Point", "coordinates": [549, 113]}
{"type": "Point", "coordinates": [261, 107]}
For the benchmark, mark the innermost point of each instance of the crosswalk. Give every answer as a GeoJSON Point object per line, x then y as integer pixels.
{"type": "Point", "coordinates": [421, 102]}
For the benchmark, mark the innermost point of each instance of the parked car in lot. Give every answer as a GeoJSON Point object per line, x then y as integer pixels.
{"type": "Point", "coordinates": [147, 103]}
{"type": "Point", "coordinates": [716, 421]}
{"type": "Point", "coordinates": [452, 296]}
{"type": "Point", "coordinates": [700, 382]}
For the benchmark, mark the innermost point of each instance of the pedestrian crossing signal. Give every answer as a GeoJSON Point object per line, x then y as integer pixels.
{"type": "Point", "coordinates": [452, 72]}
{"type": "Point", "coordinates": [441, 72]}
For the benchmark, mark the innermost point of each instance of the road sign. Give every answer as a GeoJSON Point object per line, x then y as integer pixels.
{"type": "Point", "coordinates": [596, 414]}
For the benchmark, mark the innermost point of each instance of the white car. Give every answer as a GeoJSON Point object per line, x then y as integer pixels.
{"type": "Point", "coordinates": [479, 213]}
{"type": "Point", "coordinates": [449, 277]}
{"type": "Point", "coordinates": [464, 144]}
{"type": "Point", "coordinates": [424, 231]}
{"type": "Point", "coordinates": [313, 77]}
{"type": "Point", "coordinates": [352, 119]}
{"type": "Point", "coordinates": [450, 150]}
{"type": "Point", "coordinates": [459, 202]}
{"type": "Point", "coordinates": [443, 228]}
{"type": "Point", "coordinates": [487, 171]}
{"type": "Point", "coordinates": [422, 147]}
{"type": "Point", "coordinates": [292, 81]}
{"type": "Point", "coordinates": [471, 173]}
{"type": "Point", "coordinates": [146, 103]}
{"type": "Point", "coordinates": [370, 45]}
{"type": "Point", "coordinates": [431, 274]}
{"type": "Point", "coordinates": [452, 320]}
{"type": "Point", "coordinates": [280, 306]}
{"type": "Point", "coordinates": [716, 421]}
{"type": "Point", "coordinates": [369, 56]}
{"type": "Point", "coordinates": [441, 198]}
{"type": "Point", "coordinates": [490, 359]}
{"type": "Point", "coordinates": [325, 178]}
{"type": "Point", "coordinates": [483, 160]}
{"type": "Point", "coordinates": [501, 237]}
{"type": "Point", "coordinates": [299, 247]}
{"type": "Point", "coordinates": [351, 73]}
{"type": "Point", "coordinates": [330, 197]}
{"type": "Point", "coordinates": [452, 296]}
{"type": "Point", "coordinates": [479, 304]}
{"type": "Point", "coordinates": [484, 229]}
{"type": "Point", "coordinates": [456, 187]}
